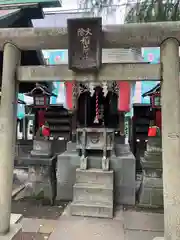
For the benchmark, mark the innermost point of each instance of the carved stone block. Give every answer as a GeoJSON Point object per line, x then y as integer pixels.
{"type": "Point", "coordinates": [42, 148]}
{"type": "Point", "coordinates": [95, 139]}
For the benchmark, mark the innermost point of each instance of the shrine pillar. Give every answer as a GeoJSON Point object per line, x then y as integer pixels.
{"type": "Point", "coordinates": [8, 111]}
{"type": "Point", "coordinates": [171, 137]}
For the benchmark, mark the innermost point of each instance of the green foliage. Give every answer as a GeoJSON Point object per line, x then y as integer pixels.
{"type": "Point", "coordinates": [140, 10]}
{"type": "Point", "coordinates": [98, 6]}
{"type": "Point", "coordinates": [153, 11]}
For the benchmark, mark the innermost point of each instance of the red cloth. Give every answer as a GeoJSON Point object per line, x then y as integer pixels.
{"type": "Point", "coordinates": [158, 119]}
{"type": "Point", "coordinates": [152, 132]}
{"type": "Point", "coordinates": [124, 96]}
{"type": "Point", "coordinates": [124, 99]}
{"type": "Point", "coordinates": [69, 94]}
{"type": "Point", "coordinates": [41, 118]}
{"type": "Point", "coordinates": [45, 131]}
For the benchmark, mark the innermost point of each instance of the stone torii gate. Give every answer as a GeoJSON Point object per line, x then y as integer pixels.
{"type": "Point", "coordinates": [166, 35]}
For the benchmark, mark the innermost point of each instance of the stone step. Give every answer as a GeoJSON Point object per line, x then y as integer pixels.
{"type": "Point", "coordinates": [93, 193]}
{"type": "Point", "coordinates": [147, 163]}
{"type": "Point", "coordinates": [92, 210]}
{"type": "Point", "coordinates": [153, 155]}
{"type": "Point", "coordinates": [96, 176]}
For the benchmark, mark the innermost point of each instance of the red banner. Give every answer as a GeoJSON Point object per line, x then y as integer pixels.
{"type": "Point", "coordinates": [124, 99]}
{"type": "Point", "coordinates": [124, 96]}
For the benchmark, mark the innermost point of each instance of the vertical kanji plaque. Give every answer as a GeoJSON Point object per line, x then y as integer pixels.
{"type": "Point", "coordinates": [85, 44]}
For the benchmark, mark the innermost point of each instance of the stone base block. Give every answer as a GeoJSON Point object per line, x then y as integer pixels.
{"type": "Point", "coordinates": [124, 168]}
{"type": "Point", "coordinates": [93, 198]}
{"type": "Point", "coordinates": [95, 176]}
{"type": "Point", "coordinates": [125, 195]}
{"type": "Point", "coordinates": [151, 193]}
{"type": "Point", "coordinates": [15, 233]}
{"type": "Point", "coordinates": [92, 192]}
{"type": "Point", "coordinates": [39, 181]}
{"type": "Point", "coordinates": [42, 148]}
{"type": "Point", "coordinates": [92, 210]}
{"type": "Point", "coordinates": [71, 146]}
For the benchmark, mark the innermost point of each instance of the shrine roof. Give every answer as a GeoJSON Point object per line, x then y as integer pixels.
{"type": "Point", "coordinates": [40, 90]}
{"type": "Point", "coordinates": [43, 3]}
{"type": "Point", "coordinates": [19, 13]}
{"type": "Point", "coordinates": [8, 13]}
{"type": "Point", "coordinates": [155, 89]}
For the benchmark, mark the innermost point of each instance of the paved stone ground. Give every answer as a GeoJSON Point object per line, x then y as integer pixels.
{"type": "Point", "coordinates": [126, 225]}
{"type": "Point", "coordinates": [33, 208]}
{"type": "Point", "coordinates": [37, 229]}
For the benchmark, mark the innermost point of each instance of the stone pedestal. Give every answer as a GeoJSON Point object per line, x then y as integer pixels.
{"type": "Point", "coordinates": [151, 191]}
{"type": "Point", "coordinates": [42, 148]}
{"type": "Point", "coordinates": [91, 195]}
{"type": "Point", "coordinates": [41, 177]}
{"type": "Point", "coordinates": [122, 163]}
{"type": "Point", "coordinates": [41, 171]}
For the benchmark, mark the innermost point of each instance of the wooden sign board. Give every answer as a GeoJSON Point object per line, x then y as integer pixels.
{"type": "Point", "coordinates": [84, 44]}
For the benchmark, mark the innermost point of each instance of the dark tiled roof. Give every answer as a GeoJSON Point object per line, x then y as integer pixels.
{"type": "Point", "coordinates": [43, 3]}
{"type": "Point", "coordinates": [155, 89]}
{"type": "Point", "coordinates": [8, 13]}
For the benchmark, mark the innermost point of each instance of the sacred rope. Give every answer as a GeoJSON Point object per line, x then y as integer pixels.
{"type": "Point", "coordinates": [96, 120]}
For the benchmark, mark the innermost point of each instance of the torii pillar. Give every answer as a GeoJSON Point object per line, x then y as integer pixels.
{"type": "Point", "coordinates": [8, 111]}
{"type": "Point", "coordinates": [171, 137]}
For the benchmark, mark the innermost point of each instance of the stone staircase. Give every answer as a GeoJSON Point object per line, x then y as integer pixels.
{"type": "Point", "coordinates": [93, 193]}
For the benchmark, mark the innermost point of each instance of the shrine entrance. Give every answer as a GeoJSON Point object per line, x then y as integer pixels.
{"type": "Point", "coordinates": [166, 35]}
{"type": "Point", "coordinates": [97, 107]}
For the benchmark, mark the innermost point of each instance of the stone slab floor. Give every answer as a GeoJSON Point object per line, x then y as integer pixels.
{"type": "Point", "coordinates": [126, 225]}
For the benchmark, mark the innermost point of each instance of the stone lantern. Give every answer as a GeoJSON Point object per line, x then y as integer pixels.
{"type": "Point", "coordinates": [41, 96]}
{"type": "Point", "coordinates": [155, 100]}
{"type": "Point", "coordinates": [41, 101]}
{"type": "Point", "coordinates": [155, 96]}
{"type": "Point", "coordinates": [151, 192]}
